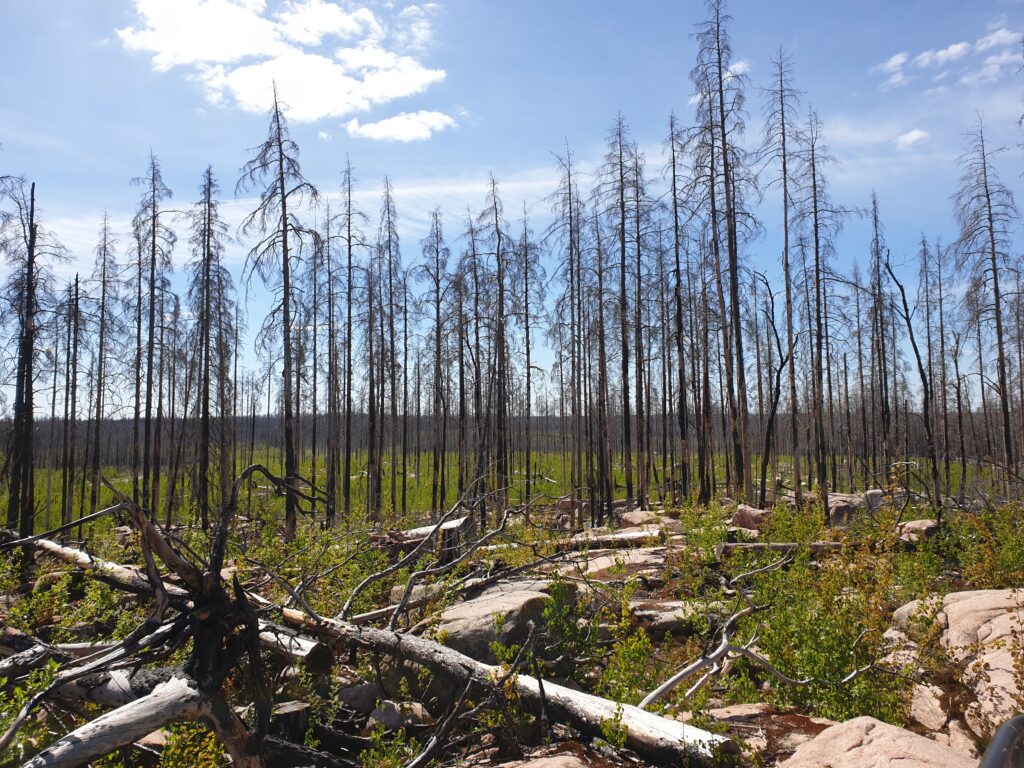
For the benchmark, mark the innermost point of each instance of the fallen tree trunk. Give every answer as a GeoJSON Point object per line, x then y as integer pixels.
{"type": "Point", "coordinates": [641, 537]}
{"type": "Point", "coordinates": [171, 701]}
{"type": "Point", "coordinates": [125, 577]}
{"type": "Point", "coordinates": [651, 736]}
{"type": "Point", "coordinates": [314, 655]}
{"type": "Point", "coordinates": [816, 548]}
{"type": "Point", "coordinates": [24, 662]}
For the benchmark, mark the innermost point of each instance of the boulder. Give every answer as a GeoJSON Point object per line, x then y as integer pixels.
{"type": "Point", "coordinates": [746, 516]}
{"type": "Point", "coordinates": [154, 741]}
{"type": "Point", "coordinates": [872, 499]}
{"type": "Point", "coordinates": [678, 617]}
{"type": "Point", "coordinates": [565, 760]}
{"type": "Point", "coordinates": [918, 530]}
{"type": "Point", "coordinates": [567, 504]}
{"type": "Point", "coordinates": [926, 708]}
{"type": "Point", "coordinates": [124, 534]}
{"type": "Point", "coordinates": [500, 614]}
{"type": "Point", "coordinates": [639, 517]}
{"type": "Point", "coordinates": [616, 565]}
{"type": "Point", "coordinates": [419, 591]}
{"type": "Point", "coordinates": [362, 697]}
{"type": "Point", "coordinates": [394, 715]}
{"type": "Point", "coordinates": [865, 742]}
{"type": "Point", "coordinates": [977, 632]}
{"type": "Point", "coordinates": [843, 507]}
{"type": "Point", "coordinates": [741, 713]}
{"type": "Point", "coordinates": [735, 534]}
{"type": "Point", "coordinates": [962, 740]}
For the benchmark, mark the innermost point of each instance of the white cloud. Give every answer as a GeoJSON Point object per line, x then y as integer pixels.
{"type": "Point", "coordinates": [323, 135]}
{"type": "Point", "coordinates": [893, 66]}
{"type": "Point", "coordinates": [942, 56]}
{"type": "Point", "coordinates": [406, 126]}
{"type": "Point", "coordinates": [910, 138]}
{"type": "Point", "coordinates": [183, 32]}
{"type": "Point", "coordinates": [893, 63]}
{"type": "Point", "coordinates": [998, 38]}
{"type": "Point", "coordinates": [740, 67]}
{"type": "Point", "coordinates": [310, 21]}
{"type": "Point", "coordinates": [993, 68]}
{"type": "Point", "coordinates": [236, 50]}
{"type": "Point", "coordinates": [897, 79]}
{"type": "Point", "coordinates": [414, 30]}
{"type": "Point", "coordinates": [313, 86]}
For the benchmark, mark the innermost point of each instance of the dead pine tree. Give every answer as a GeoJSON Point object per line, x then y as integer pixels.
{"type": "Point", "coordinates": [782, 101]}
{"type": "Point", "coordinates": [105, 275]}
{"type": "Point", "coordinates": [208, 281]}
{"type": "Point", "coordinates": [434, 270]}
{"type": "Point", "coordinates": [274, 172]}
{"type": "Point", "coordinates": [986, 212]}
{"type": "Point", "coordinates": [70, 452]}
{"type": "Point", "coordinates": [20, 245]}
{"type": "Point", "coordinates": [156, 240]}
{"type": "Point", "coordinates": [722, 90]}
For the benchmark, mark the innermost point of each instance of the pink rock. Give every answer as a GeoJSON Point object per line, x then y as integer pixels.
{"type": "Point", "coordinates": [746, 516]}
{"type": "Point", "coordinates": [916, 530]}
{"type": "Point", "coordinates": [926, 707]}
{"type": "Point", "coordinates": [638, 518]}
{"type": "Point", "coordinates": [869, 743]}
{"type": "Point", "coordinates": [978, 629]}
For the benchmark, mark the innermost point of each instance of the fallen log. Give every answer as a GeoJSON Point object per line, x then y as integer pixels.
{"type": "Point", "coordinates": [313, 654]}
{"type": "Point", "coordinates": [638, 537]}
{"type": "Point", "coordinates": [651, 736]}
{"type": "Point", "coordinates": [174, 700]}
{"type": "Point", "coordinates": [125, 577]}
{"type": "Point", "coordinates": [785, 548]}
{"type": "Point", "coordinates": [22, 663]}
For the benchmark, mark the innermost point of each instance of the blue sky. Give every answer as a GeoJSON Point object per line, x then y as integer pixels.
{"type": "Point", "coordinates": [438, 95]}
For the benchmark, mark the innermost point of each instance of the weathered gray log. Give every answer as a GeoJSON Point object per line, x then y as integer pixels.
{"type": "Point", "coordinates": [313, 654]}
{"type": "Point", "coordinates": [651, 736]}
{"type": "Point", "coordinates": [124, 576]}
{"type": "Point", "coordinates": [816, 548]}
{"type": "Point", "coordinates": [22, 663]}
{"type": "Point", "coordinates": [171, 701]}
{"type": "Point", "coordinates": [634, 537]}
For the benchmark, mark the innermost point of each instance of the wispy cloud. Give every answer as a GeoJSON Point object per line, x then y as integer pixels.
{"type": "Point", "coordinates": [236, 50]}
{"type": "Point", "coordinates": [993, 68]}
{"type": "Point", "coordinates": [998, 38]}
{"type": "Point", "coordinates": [894, 63]}
{"type": "Point", "coordinates": [910, 138]}
{"type": "Point", "coordinates": [979, 68]}
{"type": "Point", "coordinates": [942, 56]}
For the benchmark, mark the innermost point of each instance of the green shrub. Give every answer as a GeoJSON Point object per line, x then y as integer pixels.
{"type": "Point", "coordinates": [388, 750]}
{"type": "Point", "coordinates": [826, 620]}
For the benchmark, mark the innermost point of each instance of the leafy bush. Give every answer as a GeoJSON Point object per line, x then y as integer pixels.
{"type": "Point", "coordinates": [388, 750]}
{"type": "Point", "coordinates": [192, 745]}
{"type": "Point", "coordinates": [827, 620]}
